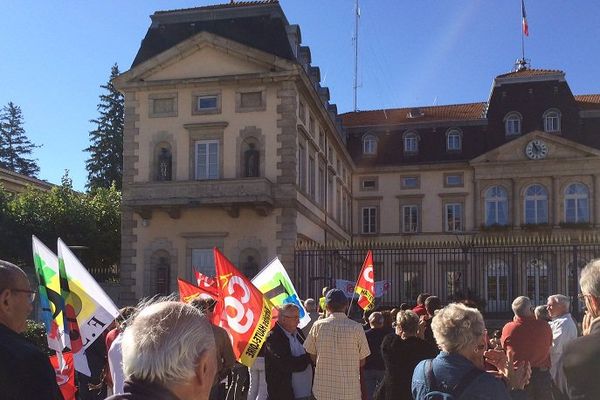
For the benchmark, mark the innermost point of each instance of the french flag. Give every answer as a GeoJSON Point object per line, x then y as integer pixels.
{"type": "Point", "coordinates": [524, 19]}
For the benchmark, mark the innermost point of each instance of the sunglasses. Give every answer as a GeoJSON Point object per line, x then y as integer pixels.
{"type": "Point", "coordinates": [31, 296]}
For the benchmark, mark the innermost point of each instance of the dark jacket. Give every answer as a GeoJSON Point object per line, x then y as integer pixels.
{"type": "Point", "coordinates": [375, 337]}
{"type": "Point", "coordinates": [400, 358]}
{"type": "Point", "coordinates": [279, 364]}
{"type": "Point", "coordinates": [137, 390]}
{"type": "Point", "coordinates": [580, 366]}
{"type": "Point", "coordinates": [25, 371]}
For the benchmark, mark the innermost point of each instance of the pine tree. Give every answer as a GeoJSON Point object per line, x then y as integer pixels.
{"type": "Point", "coordinates": [14, 144]}
{"type": "Point", "coordinates": [105, 164]}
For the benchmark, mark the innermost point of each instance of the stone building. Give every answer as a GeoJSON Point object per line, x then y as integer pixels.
{"type": "Point", "coordinates": [17, 183]}
{"type": "Point", "coordinates": [231, 141]}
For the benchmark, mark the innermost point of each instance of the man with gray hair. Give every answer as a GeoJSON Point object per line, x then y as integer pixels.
{"type": "Point", "coordinates": [25, 372]}
{"type": "Point", "coordinates": [563, 328]}
{"type": "Point", "coordinates": [529, 339]}
{"type": "Point", "coordinates": [578, 368]}
{"type": "Point", "coordinates": [169, 353]}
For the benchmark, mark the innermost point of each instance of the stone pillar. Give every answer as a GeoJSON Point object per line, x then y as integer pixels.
{"type": "Point", "coordinates": [555, 218]}
{"type": "Point", "coordinates": [596, 200]}
{"type": "Point", "coordinates": [515, 204]}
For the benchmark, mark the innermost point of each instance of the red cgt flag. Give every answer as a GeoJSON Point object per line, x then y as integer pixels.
{"type": "Point", "coordinates": [244, 312]}
{"type": "Point", "coordinates": [66, 377]}
{"type": "Point", "coordinates": [365, 286]}
{"type": "Point", "coordinates": [207, 283]}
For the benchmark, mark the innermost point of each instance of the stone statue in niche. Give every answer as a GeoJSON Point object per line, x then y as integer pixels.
{"type": "Point", "coordinates": [250, 267]}
{"type": "Point", "coordinates": [251, 162]}
{"type": "Point", "coordinates": [164, 165]}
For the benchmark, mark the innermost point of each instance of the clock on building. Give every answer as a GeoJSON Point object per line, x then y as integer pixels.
{"type": "Point", "coordinates": [536, 149]}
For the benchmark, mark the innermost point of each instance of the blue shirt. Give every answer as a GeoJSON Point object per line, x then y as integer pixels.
{"type": "Point", "coordinates": [449, 369]}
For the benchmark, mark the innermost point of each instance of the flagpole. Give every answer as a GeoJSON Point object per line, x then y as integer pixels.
{"type": "Point", "coordinates": [522, 33]}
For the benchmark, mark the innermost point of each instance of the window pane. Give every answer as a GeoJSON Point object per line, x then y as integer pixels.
{"type": "Point", "coordinates": [207, 102]}
{"type": "Point", "coordinates": [202, 261]}
{"type": "Point", "coordinates": [201, 161]}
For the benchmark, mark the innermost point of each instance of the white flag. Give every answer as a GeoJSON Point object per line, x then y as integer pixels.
{"type": "Point", "coordinates": [92, 308]}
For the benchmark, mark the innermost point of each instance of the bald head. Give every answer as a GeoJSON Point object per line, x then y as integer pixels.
{"type": "Point", "coordinates": [10, 275]}
{"type": "Point", "coordinates": [15, 297]}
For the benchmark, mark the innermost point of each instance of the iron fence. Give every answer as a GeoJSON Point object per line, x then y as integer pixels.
{"type": "Point", "coordinates": [491, 271]}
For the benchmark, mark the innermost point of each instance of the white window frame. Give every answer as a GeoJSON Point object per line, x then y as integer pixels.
{"type": "Point", "coordinates": [208, 175]}
{"type": "Point", "coordinates": [368, 220]}
{"type": "Point", "coordinates": [552, 121]}
{"type": "Point", "coordinates": [454, 135]}
{"type": "Point", "coordinates": [411, 143]}
{"type": "Point", "coordinates": [457, 224]}
{"type": "Point", "coordinates": [540, 201]}
{"type": "Point", "coordinates": [572, 194]}
{"type": "Point", "coordinates": [369, 145]}
{"type": "Point", "coordinates": [498, 196]}
{"type": "Point", "coordinates": [410, 218]}
{"type": "Point", "coordinates": [204, 97]}
{"type": "Point", "coordinates": [199, 255]}
{"type": "Point", "coordinates": [513, 124]}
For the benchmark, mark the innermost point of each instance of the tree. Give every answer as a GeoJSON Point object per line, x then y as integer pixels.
{"type": "Point", "coordinates": [14, 144]}
{"type": "Point", "coordinates": [105, 164]}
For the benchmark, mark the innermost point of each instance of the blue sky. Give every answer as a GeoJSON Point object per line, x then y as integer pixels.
{"type": "Point", "coordinates": [56, 54]}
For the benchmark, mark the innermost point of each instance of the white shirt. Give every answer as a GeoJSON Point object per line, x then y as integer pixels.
{"type": "Point", "coordinates": [301, 381]}
{"type": "Point", "coordinates": [563, 331]}
{"type": "Point", "coordinates": [115, 362]}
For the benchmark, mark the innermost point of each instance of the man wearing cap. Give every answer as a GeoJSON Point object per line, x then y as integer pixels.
{"type": "Point", "coordinates": [339, 348]}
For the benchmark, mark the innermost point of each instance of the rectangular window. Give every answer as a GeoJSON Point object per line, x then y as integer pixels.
{"type": "Point", "coordinates": [302, 168]}
{"type": "Point", "coordinates": [368, 184]}
{"type": "Point", "coordinates": [338, 205]}
{"type": "Point", "coordinates": [311, 125]}
{"type": "Point", "coordinates": [409, 182]}
{"type": "Point", "coordinates": [369, 220]}
{"type": "Point", "coordinates": [206, 103]}
{"type": "Point", "coordinates": [322, 139]}
{"type": "Point", "coordinates": [410, 218]}
{"type": "Point", "coordinates": [302, 112]}
{"type": "Point", "coordinates": [312, 189]}
{"type": "Point", "coordinates": [344, 209]}
{"type": "Point", "coordinates": [453, 180]}
{"type": "Point", "coordinates": [203, 262]}
{"type": "Point", "coordinates": [207, 159]}
{"type": "Point", "coordinates": [251, 100]}
{"type": "Point", "coordinates": [330, 192]}
{"type": "Point", "coordinates": [453, 217]}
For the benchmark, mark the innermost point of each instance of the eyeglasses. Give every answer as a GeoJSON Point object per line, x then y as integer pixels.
{"type": "Point", "coordinates": [32, 293]}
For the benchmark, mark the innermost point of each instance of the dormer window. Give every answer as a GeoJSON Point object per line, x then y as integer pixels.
{"type": "Point", "coordinates": [369, 145]}
{"type": "Point", "coordinates": [552, 121]}
{"type": "Point", "coordinates": [453, 140]}
{"type": "Point", "coordinates": [411, 143]}
{"type": "Point", "coordinates": [512, 124]}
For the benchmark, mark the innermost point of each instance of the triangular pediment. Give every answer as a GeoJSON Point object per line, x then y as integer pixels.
{"type": "Point", "coordinates": [205, 55]}
{"type": "Point", "coordinates": [547, 146]}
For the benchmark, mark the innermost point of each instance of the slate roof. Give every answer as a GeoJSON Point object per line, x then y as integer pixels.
{"type": "Point", "coordinates": [263, 32]}
{"type": "Point", "coordinates": [530, 72]}
{"type": "Point", "coordinates": [454, 112]}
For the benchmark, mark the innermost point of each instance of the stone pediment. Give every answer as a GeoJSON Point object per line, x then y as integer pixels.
{"type": "Point", "coordinates": [205, 55]}
{"type": "Point", "coordinates": [558, 148]}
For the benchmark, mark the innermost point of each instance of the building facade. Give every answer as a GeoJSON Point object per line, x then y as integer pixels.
{"type": "Point", "coordinates": [230, 141]}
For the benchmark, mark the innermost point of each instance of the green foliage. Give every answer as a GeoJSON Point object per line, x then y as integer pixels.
{"type": "Point", "coordinates": [90, 220]}
{"type": "Point", "coordinates": [105, 165]}
{"type": "Point", "coordinates": [14, 144]}
{"type": "Point", "coordinates": [36, 333]}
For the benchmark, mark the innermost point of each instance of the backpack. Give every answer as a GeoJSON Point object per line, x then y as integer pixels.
{"type": "Point", "coordinates": [455, 393]}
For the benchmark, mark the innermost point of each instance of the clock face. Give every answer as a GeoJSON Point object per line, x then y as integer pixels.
{"type": "Point", "coordinates": [536, 149]}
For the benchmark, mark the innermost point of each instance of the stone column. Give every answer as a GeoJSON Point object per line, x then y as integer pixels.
{"type": "Point", "coordinates": [515, 204]}
{"type": "Point", "coordinates": [555, 219]}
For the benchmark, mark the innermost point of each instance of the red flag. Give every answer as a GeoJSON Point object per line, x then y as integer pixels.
{"type": "Point", "coordinates": [524, 19]}
{"type": "Point", "coordinates": [66, 377]}
{"type": "Point", "coordinates": [188, 291]}
{"type": "Point", "coordinates": [207, 283]}
{"type": "Point", "coordinates": [245, 312]}
{"type": "Point", "coordinates": [365, 285]}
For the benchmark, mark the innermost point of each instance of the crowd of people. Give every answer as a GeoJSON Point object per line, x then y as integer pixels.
{"type": "Point", "coordinates": [168, 350]}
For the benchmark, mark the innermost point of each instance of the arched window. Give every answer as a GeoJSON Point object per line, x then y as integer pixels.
{"type": "Point", "coordinates": [496, 206]}
{"type": "Point", "coordinates": [411, 143]}
{"type": "Point", "coordinates": [577, 208]}
{"type": "Point", "coordinates": [163, 162]}
{"type": "Point", "coordinates": [536, 205]}
{"type": "Point", "coordinates": [512, 124]}
{"type": "Point", "coordinates": [453, 140]}
{"type": "Point", "coordinates": [369, 145]}
{"type": "Point", "coordinates": [552, 121]}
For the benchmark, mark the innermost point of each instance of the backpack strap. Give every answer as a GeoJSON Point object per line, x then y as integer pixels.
{"type": "Point", "coordinates": [466, 381]}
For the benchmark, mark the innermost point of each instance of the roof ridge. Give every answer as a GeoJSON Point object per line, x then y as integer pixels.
{"type": "Point", "coordinates": [411, 107]}
{"type": "Point", "coordinates": [234, 4]}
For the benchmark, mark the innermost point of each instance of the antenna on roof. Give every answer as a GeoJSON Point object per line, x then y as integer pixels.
{"type": "Point", "coordinates": [356, 19]}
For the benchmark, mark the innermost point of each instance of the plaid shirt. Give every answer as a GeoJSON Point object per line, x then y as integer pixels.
{"type": "Point", "coordinates": [339, 344]}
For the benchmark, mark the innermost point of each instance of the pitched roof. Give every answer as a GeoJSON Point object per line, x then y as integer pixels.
{"type": "Point", "coordinates": [454, 112]}
{"type": "Point", "coordinates": [588, 101]}
{"type": "Point", "coordinates": [530, 72]}
{"type": "Point", "coordinates": [262, 29]}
